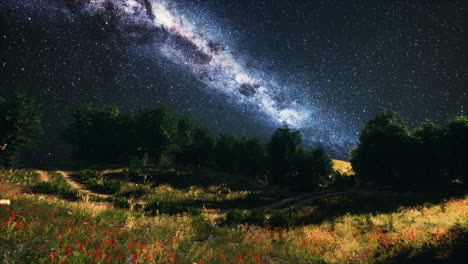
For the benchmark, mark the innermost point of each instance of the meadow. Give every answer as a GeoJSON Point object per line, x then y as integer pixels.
{"type": "Point", "coordinates": [40, 226]}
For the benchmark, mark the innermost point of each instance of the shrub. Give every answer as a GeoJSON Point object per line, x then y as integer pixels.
{"type": "Point", "coordinates": [167, 205]}
{"type": "Point", "coordinates": [203, 227]}
{"type": "Point", "coordinates": [133, 191]}
{"type": "Point", "coordinates": [279, 219]}
{"type": "Point", "coordinates": [235, 216]}
{"type": "Point", "coordinates": [55, 188]}
{"type": "Point", "coordinates": [256, 217]}
{"type": "Point", "coordinates": [99, 182]}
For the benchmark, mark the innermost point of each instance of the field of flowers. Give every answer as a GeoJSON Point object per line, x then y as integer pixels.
{"type": "Point", "coordinates": [45, 229]}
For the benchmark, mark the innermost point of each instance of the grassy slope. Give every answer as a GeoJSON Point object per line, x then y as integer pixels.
{"type": "Point", "coordinates": [47, 229]}
{"type": "Point", "coordinates": [343, 167]}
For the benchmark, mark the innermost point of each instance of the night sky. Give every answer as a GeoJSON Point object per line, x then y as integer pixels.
{"type": "Point", "coordinates": [241, 67]}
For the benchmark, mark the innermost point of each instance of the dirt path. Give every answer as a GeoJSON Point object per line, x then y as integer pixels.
{"type": "Point", "coordinates": [75, 184]}
{"type": "Point", "coordinates": [43, 175]}
{"type": "Point", "coordinates": [301, 200]}
{"type": "Point", "coordinates": [305, 202]}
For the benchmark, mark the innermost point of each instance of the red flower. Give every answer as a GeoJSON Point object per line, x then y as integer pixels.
{"type": "Point", "coordinates": [240, 258]}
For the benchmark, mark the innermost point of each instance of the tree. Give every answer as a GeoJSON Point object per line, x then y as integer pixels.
{"type": "Point", "coordinates": [156, 132]}
{"type": "Point", "coordinates": [384, 151]}
{"type": "Point", "coordinates": [456, 145]}
{"type": "Point", "coordinates": [200, 152]}
{"type": "Point", "coordinates": [428, 156]}
{"type": "Point", "coordinates": [20, 127]}
{"type": "Point", "coordinates": [100, 135]}
{"type": "Point", "coordinates": [309, 166]}
{"type": "Point", "coordinates": [283, 146]}
{"type": "Point", "coordinates": [226, 154]}
{"type": "Point", "coordinates": [253, 156]}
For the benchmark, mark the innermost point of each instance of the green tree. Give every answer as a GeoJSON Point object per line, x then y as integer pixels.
{"type": "Point", "coordinates": [156, 132]}
{"type": "Point", "coordinates": [283, 146]}
{"type": "Point", "coordinates": [226, 154]}
{"type": "Point", "coordinates": [310, 166]}
{"type": "Point", "coordinates": [253, 156]}
{"type": "Point", "coordinates": [428, 156]}
{"type": "Point", "coordinates": [202, 147]}
{"type": "Point", "coordinates": [456, 145]}
{"type": "Point", "coordinates": [20, 127]}
{"type": "Point", "coordinates": [384, 151]}
{"type": "Point", "coordinates": [100, 135]}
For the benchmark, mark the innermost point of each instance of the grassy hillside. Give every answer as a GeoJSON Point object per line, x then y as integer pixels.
{"type": "Point", "coordinates": [343, 228]}
{"type": "Point", "coordinates": [344, 167]}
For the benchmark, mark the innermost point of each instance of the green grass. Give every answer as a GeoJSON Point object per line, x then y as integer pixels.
{"type": "Point", "coordinates": [174, 228]}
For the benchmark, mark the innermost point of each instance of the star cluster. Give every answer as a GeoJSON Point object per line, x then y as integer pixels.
{"type": "Point", "coordinates": [243, 67]}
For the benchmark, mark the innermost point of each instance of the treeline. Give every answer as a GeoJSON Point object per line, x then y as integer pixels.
{"type": "Point", "coordinates": [108, 135]}
{"type": "Point", "coordinates": [427, 157]}
{"type": "Point", "coordinates": [388, 153]}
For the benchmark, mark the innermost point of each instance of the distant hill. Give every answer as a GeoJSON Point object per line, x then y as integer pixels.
{"type": "Point", "coordinates": [343, 166]}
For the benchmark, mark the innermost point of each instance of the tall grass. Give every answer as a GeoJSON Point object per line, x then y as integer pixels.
{"type": "Point", "coordinates": [34, 231]}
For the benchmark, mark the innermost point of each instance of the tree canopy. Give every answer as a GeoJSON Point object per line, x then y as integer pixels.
{"type": "Point", "coordinates": [106, 135]}
{"type": "Point", "coordinates": [20, 127]}
{"type": "Point", "coordinates": [427, 157]}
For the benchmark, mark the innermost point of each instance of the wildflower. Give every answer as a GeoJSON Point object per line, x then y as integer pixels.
{"type": "Point", "coordinates": [240, 258]}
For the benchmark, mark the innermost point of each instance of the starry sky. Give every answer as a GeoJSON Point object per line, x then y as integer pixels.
{"type": "Point", "coordinates": [242, 67]}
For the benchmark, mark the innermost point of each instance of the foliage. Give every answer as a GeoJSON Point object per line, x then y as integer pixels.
{"type": "Point", "coordinates": [165, 205]}
{"type": "Point", "coordinates": [310, 166]}
{"type": "Point", "coordinates": [235, 216]}
{"type": "Point", "coordinates": [99, 182]}
{"type": "Point", "coordinates": [456, 137]}
{"type": "Point", "coordinates": [62, 190]}
{"type": "Point", "coordinates": [389, 154]}
{"type": "Point", "coordinates": [280, 219]}
{"type": "Point", "coordinates": [98, 135]}
{"type": "Point", "coordinates": [238, 216]}
{"type": "Point", "coordinates": [382, 152]}
{"type": "Point", "coordinates": [20, 127]}
{"type": "Point", "coordinates": [152, 137]}
{"type": "Point", "coordinates": [283, 146]}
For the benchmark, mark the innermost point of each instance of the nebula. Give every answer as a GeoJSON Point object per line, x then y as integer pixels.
{"type": "Point", "coordinates": [172, 35]}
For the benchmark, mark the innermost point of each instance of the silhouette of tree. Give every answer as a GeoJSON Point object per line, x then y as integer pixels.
{"type": "Point", "coordinates": [382, 153]}
{"type": "Point", "coordinates": [20, 127]}
{"type": "Point", "coordinates": [309, 166]}
{"type": "Point", "coordinates": [283, 146]}
{"type": "Point", "coordinates": [253, 156]}
{"type": "Point", "coordinates": [156, 133]}
{"type": "Point", "coordinates": [226, 154]}
{"type": "Point", "coordinates": [99, 134]}
{"type": "Point", "coordinates": [456, 140]}
{"type": "Point", "coordinates": [428, 155]}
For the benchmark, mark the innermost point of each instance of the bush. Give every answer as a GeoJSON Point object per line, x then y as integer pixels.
{"type": "Point", "coordinates": [203, 227]}
{"type": "Point", "coordinates": [133, 191]}
{"type": "Point", "coordinates": [165, 206]}
{"type": "Point", "coordinates": [238, 216]}
{"type": "Point", "coordinates": [63, 191]}
{"type": "Point", "coordinates": [235, 216]}
{"type": "Point", "coordinates": [99, 182]}
{"type": "Point", "coordinates": [256, 217]}
{"type": "Point", "coordinates": [281, 220]}
{"type": "Point", "coordinates": [120, 202]}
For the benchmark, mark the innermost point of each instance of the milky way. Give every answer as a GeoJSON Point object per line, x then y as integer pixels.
{"type": "Point", "coordinates": [241, 67]}
{"type": "Point", "coordinates": [177, 39]}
